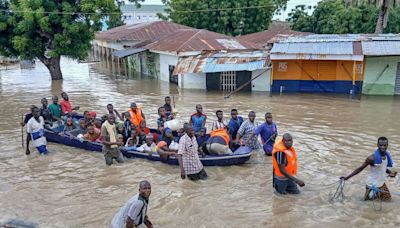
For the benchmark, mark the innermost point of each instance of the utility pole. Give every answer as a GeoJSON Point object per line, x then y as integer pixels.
{"type": "Point", "coordinates": [383, 17]}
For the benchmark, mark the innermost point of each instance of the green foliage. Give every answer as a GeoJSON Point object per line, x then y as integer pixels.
{"type": "Point", "coordinates": [48, 28]}
{"type": "Point", "coordinates": [339, 17]}
{"type": "Point", "coordinates": [239, 19]}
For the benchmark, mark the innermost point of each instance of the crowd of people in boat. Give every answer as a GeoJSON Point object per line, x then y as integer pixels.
{"type": "Point", "coordinates": [189, 143]}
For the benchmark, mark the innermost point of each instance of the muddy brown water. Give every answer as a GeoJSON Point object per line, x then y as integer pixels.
{"type": "Point", "coordinates": [74, 188]}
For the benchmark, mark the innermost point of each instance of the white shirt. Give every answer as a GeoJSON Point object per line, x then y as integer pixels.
{"type": "Point", "coordinates": [132, 209]}
{"type": "Point", "coordinates": [377, 174]}
{"type": "Point", "coordinates": [33, 125]}
{"type": "Point", "coordinates": [217, 125]}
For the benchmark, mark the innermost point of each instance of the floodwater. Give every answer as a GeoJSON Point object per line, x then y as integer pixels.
{"type": "Point", "coordinates": [74, 188]}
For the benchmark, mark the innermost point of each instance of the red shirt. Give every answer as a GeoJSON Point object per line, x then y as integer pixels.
{"type": "Point", "coordinates": [66, 107]}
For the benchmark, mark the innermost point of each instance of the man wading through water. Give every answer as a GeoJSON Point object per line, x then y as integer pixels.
{"type": "Point", "coordinates": [188, 156]}
{"type": "Point", "coordinates": [110, 142]}
{"type": "Point", "coordinates": [134, 212]}
{"type": "Point", "coordinates": [379, 162]}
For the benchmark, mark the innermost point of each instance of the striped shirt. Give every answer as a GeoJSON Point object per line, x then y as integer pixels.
{"type": "Point", "coordinates": [217, 125]}
{"type": "Point", "coordinates": [246, 131]}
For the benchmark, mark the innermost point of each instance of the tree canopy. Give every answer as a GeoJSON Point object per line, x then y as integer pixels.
{"type": "Point", "coordinates": [339, 17]}
{"type": "Point", "coordinates": [48, 29]}
{"type": "Point", "coordinates": [229, 17]}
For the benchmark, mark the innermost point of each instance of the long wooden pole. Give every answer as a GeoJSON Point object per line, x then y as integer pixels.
{"type": "Point", "coordinates": [22, 131]}
{"type": "Point", "coordinates": [245, 84]}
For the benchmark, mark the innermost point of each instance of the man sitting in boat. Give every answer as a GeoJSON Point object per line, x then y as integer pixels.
{"type": "Point", "coordinates": [111, 110]}
{"type": "Point", "coordinates": [164, 151]}
{"type": "Point", "coordinates": [127, 124]}
{"type": "Point", "coordinates": [220, 122]}
{"type": "Point", "coordinates": [163, 117]}
{"type": "Point", "coordinates": [149, 147]}
{"type": "Point", "coordinates": [66, 106]}
{"type": "Point", "coordinates": [35, 127]}
{"type": "Point", "coordinates": [55, 109]}
{"type": "Point", "coordinates": [136, 114]}
{"type": "Point", "coordinates": [198, 119]}
{"type": "Point", "coordinates": [92, 134]}
{"type": "Point", "coordinates": [167, 106]}
{"type": "Point", "coordinates": [218, 143]}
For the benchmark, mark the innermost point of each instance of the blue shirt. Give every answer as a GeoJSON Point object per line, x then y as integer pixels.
{"type": "Point", "coordinates": [233, 126]}
{"type": "Point", "coordinates": [266, 131]}
{"type": "Point", "coordinates": [197, 121]}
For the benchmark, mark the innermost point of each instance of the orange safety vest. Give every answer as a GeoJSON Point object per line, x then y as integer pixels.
{"type": "Point", "coordinates": [291, 167]}
{"type": "Point", "coordinates": [222, 133]}
{"type": "Point", "coordinates": [136, 117]}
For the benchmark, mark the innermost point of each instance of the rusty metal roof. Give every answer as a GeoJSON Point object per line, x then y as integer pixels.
{"type": "Point", "coordinates": [263, 38]}
{"type": "Point", "coordinates": [187, 40]}
{"type": "Point", "coordinates": [209, 62]}
{"type": "Point", "coordinates": [149, 31]}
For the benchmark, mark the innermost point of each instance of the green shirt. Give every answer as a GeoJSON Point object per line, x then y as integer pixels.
{"type": "Point", "coordinates": [55, 110]}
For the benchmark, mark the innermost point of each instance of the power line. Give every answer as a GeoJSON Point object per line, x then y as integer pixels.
{"type": "Point", "coordinates": [176, 11]}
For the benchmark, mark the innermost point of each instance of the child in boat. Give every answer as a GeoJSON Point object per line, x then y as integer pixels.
{"type": "Point", "coordinates": [69, 125]}
{"type": "Point", "coordinates": [92, 134]}
{"type": "Point", "coordinates": [149, 146]}
{"type": "Point", "coordinates": [133, 140]}
{"type": "Point", "coordinates": [202, 139]}
{"type": "Point", "coordinates": [121, 131]}
{"type": "Point", "coordinates": [170, 139]}
{"type": "Point", "coordinates": [164, 151]}
{"type": "Point", "coordinates": [97, 125]}
{"type": "Point", "coordinates": [127, 124]}
{"type": "Point", "coordinates": [143, 131]}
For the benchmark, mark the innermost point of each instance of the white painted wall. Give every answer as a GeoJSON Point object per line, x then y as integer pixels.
{"type": "Point", "coordinates": [192, 81]}
{"type": "Point", "coordinates": [165, 61]}
{"type": "Point", "coordinates": [262, 83]}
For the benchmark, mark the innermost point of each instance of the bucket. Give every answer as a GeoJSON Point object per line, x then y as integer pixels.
{"type": "Point", "coordinates": [173, 124]}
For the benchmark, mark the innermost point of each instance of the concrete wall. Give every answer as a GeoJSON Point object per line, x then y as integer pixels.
{"type": "Point", "coordinates": [165, 61]}
{"type": "Point", "coordinates": [262, 83]}
{"type": "Point", "coordinates": [192, 81]}
{"type": "Point", "coordinates": [374, 83]}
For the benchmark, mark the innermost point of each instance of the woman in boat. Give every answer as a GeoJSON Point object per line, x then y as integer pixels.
{"type": "Point", "coordinates": [164, 151]}
{"type": "Point", "coordinates": [92, 134]}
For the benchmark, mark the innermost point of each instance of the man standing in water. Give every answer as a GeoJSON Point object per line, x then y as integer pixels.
{"type": "Point", "coordinates": [268, 132]}
{"type": "Point", "coordinates": [66, 106]}
{"type": "Point", "coordinates": [134, 212]}
{"type": "Point", "coordinates": [110, 142]}
{"type": "Point", "coordinates": [284, 161]}
{"type": "Point", "coordinates": [246, 131]}
{"type": "Point", "coordinates": [188, 157]}
{"type": "Point", "coordinates": [35, 127]}
{"type": "Point", "coordinates": [379, 162]}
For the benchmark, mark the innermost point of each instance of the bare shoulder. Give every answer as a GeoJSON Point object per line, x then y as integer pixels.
{"type": "Point", "coordinates": [370, 159]}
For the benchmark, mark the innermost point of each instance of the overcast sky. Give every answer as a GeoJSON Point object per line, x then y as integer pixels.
{"type": "Point", "coordinates": [291, 4]}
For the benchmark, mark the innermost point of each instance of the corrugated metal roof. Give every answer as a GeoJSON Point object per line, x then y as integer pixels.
{"type": "Point", "coordinates": [265, 37]}
{"type": "Point", "coordinates": [148, 31]}
{"type": "Point", "coordinates": [319, 48]}
{"type": "Point", "coordinates": [127, 52]}
{"type": "Point", "coordinates": [381, 47]}
{"type": "Point", "coordinates": [186, 40]}
{"type": "Point", "coordinates": [313, 38]}
{"type": "Point", "coordinates": [210, 62]}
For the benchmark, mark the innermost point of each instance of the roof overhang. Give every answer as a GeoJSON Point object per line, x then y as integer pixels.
{"type": "Point", "coordinates": [299, 56]}
{"type": "Point", "coordinates": [127, 52]}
